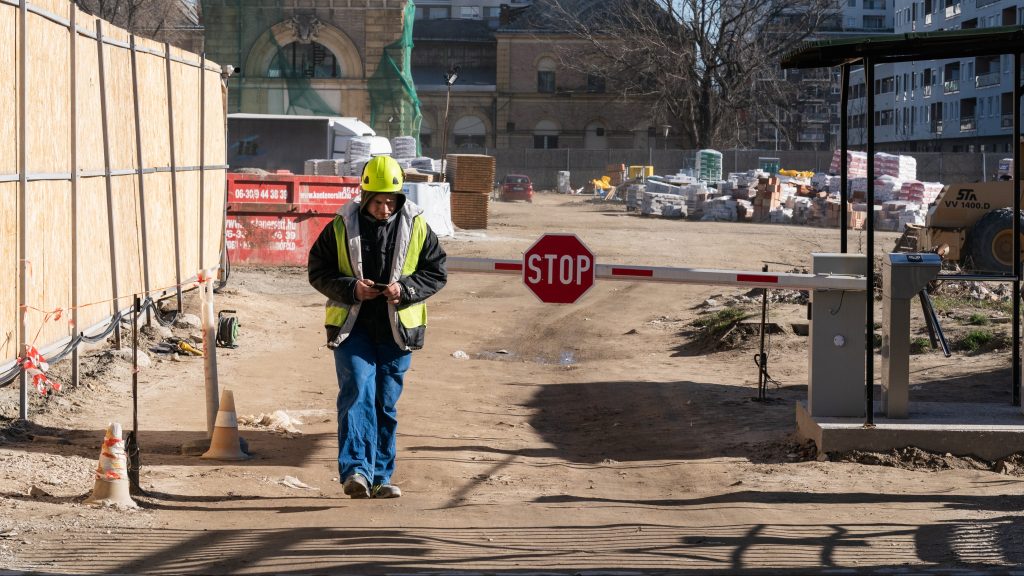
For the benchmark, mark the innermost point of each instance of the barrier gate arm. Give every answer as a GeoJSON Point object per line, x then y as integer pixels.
{"type": "Point", "coordinates": [778, 281]}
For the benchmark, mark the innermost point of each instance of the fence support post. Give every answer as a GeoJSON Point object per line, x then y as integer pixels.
{"type": "Point", "coordinates": [111, 232]}
{"type": "Point", "coordinates": [22, 198]}
{"type": "Point", "coordinates": [73, 28]}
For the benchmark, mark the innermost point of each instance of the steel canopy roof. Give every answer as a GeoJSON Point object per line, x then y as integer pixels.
{"type": "Point", "coordinates": [907, 47]}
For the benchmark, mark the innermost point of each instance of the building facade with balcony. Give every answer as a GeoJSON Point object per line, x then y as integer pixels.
{"type": "Point", "coordinates": [513, 88]}
{"type": "Point", "coordinates": [963, 105]}
{"type": "Point", "coordinates": [812, 121]}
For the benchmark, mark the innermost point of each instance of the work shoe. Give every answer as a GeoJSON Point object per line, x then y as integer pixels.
{"type": "Point", "coordinates": [356, 487]}
{"type": "Point", "coordinates": [386, 491]}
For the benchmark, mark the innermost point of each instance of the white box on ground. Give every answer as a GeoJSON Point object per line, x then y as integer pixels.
{"type": "Point", "coordinates": [435, 199]}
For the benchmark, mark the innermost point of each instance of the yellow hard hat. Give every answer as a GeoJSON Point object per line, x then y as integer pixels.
{"type": "Point", "coordinates": [383, 174]}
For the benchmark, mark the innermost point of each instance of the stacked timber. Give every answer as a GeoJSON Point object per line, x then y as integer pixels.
{"type": "Point", "coordinates": [472, 178]}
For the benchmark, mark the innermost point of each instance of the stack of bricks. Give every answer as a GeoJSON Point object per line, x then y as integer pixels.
{"type": "Point", "coordinates": [767, 198]}
{"type": "Point", "coordinates": [472, 178]}
{"type": "Point", "coordinates": [617, 173]}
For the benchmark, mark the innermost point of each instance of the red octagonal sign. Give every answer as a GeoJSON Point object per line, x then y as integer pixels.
{"type": "Point", "coordinates": [558, 268]}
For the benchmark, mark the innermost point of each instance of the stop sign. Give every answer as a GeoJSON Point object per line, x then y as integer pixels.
{"type": "Point", "coordinates": [558, 268]}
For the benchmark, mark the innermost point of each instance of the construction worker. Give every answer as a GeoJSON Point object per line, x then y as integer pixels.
{"type": "Point", "coordinates": [376, 262]}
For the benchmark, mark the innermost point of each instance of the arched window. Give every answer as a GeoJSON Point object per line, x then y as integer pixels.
{"type": "Point", "coordinates": [545, 134]}
{"type": "Point", "coordinates": [426, 133]}
{"type": "Point", "coordinates": [297, 60]}
{"type": "Point", "coordinates": [469, 132]}
{"type": "Point", "coordinates": [596, 136]}
{"type": "Point", "coordinates": [546, 75]}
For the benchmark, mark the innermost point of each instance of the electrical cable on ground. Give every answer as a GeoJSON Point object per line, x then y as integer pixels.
{"type": "Point", "coordinates": [164, 320]}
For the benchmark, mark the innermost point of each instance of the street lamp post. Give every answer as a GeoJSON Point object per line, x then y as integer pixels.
{"type": "Point", "coordinates": [449, 79]}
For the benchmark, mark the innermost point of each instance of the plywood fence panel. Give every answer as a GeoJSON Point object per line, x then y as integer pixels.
{"type": "Point", "coordinates": [48, 288]}
{"type": "Point", "coordinates": [89, 120]}
{"type": "Point", "coordinates": [160, 231]}
{"type": "Point", "coordinates": [59, 8]}
{"type": "Point", "coordinates": [94, 284]}
{"type": "Point", "coordinates": [50, 151]}
{"type": "Point", "coordinates": [156, 142]}
{"type": "Point", "coordinates": [214, 152]}
{"type": "Point", "coordinates": [121, 102]}
{"type": "Point", "coordinates": [216, 122]}
{"type": "Point", "coordinates": [128, 235]}
{"type": "Point", "coordinates": [188, 219]}
{"type": "Point", "coordinates": [49, 118]}
{"type": "Point", "coordinates": [213, 185]}
{"type": "Point", "coordinates": [8, 261]}
{"type": "Point", "coordinates": [8, 95]}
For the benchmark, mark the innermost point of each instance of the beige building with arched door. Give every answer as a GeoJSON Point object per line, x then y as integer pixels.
{"type": "Point", "coordinates": [293, 58]}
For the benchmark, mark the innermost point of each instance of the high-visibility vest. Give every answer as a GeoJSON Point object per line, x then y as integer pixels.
{"type": "Point", "coordinates": [407, 323]}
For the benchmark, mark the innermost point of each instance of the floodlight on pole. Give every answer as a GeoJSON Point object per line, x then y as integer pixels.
{"type": "Point", "coordinates": [449, 79]}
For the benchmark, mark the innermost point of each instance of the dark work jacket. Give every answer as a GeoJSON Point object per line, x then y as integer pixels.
{"type": "Point", "coordinates": [377, 241]}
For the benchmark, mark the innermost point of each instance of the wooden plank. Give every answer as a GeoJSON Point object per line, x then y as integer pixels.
{"type": "Point", "coordinates": [49, 257]}
{"type": "Point", "coordinates": [49, 117]}
{"type": "Point", "coordinates": [8, 261]}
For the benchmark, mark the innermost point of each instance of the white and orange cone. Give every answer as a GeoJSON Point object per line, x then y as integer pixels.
{"type": "Point", "coordinates": [225, 443]}
{"type": "Point", "coordinates": [112, 487]}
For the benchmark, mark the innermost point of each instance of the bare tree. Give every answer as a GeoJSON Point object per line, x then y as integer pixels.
{"type": "Point", "coordinates": [710, 66]}
{"type": "Point", "coordinates": [174, 21]}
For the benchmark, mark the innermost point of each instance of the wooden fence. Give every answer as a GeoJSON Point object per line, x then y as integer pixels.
{"type": "Point", "coordinates": [112, 175]}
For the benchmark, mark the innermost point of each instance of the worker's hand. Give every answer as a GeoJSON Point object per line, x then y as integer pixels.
{"type": "Point", "coordinates": [393, 293]}
{"type": "Point", "coordinates": [365, 290]}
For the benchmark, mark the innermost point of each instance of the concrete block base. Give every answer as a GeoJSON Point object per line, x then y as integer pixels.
{"type": "Point", "coordinates": [987, 431]}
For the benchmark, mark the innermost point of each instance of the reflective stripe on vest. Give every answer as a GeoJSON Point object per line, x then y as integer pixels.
{"type": "Point", "coordinates": [336, 315]}
{"type": "Point", "coordinates": [414, 315]}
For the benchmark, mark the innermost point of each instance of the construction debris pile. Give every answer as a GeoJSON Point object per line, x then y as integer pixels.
{"type": "Point", "coordinates": [786, 196]}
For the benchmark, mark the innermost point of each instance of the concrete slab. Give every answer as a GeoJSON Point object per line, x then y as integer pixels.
{"type": "Point", "coordinates": [988, 431]}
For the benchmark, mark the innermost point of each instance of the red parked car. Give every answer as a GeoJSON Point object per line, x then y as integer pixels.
{"type": "Point", "coordinates": [516, 187]}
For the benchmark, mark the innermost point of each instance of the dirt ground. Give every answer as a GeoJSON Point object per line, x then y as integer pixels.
{"type": "Point", "coordinates": [605, 437]}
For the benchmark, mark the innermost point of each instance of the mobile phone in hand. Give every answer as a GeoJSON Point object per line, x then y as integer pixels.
{"type": "Point", "coordinates": [380, 287]}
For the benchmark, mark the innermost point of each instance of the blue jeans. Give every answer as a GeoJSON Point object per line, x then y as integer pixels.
{"type": "Point", "coordinates": [370, 381]}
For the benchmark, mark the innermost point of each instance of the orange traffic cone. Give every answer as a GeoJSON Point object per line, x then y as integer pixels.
{"type": "Point", "coordinates": [112, 487]}
{"type": "Point", "coordinates": [225, 444]}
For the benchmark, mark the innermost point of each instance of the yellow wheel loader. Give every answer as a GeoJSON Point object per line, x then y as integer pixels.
{"type": "Point", "coordinates": [975, 222]}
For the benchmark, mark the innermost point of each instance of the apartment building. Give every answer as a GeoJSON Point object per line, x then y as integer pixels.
{"type": "Point", "coordinates": [962, 105]}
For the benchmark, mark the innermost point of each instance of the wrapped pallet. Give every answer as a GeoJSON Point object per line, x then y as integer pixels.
{"type": "Point", "coordinates": [664, 205]}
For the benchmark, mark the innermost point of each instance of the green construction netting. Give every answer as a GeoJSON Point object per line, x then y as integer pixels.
{"type": "Point", "coordinates": [298, 78]}
{"type": "Point", "coordinates": [394, 106]}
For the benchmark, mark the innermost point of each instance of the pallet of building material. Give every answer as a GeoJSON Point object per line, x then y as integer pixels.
{"type": "Point", "coordinates": [403, 147]}
{"type": "Point", "coordinates": [663, 205]}
{"type": "Point", "coordinates": [471, 172]}
{"type": "Point", "coordinates": [634, 196]}
{"type": "Point", "coordinates": [720, 209]}
{"type": "Point", "coordinates": [414, 175]}
{"type": "Point", "coordinates": [469, 210]}
{"type": "Point", "coordinates": [322, 167]}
